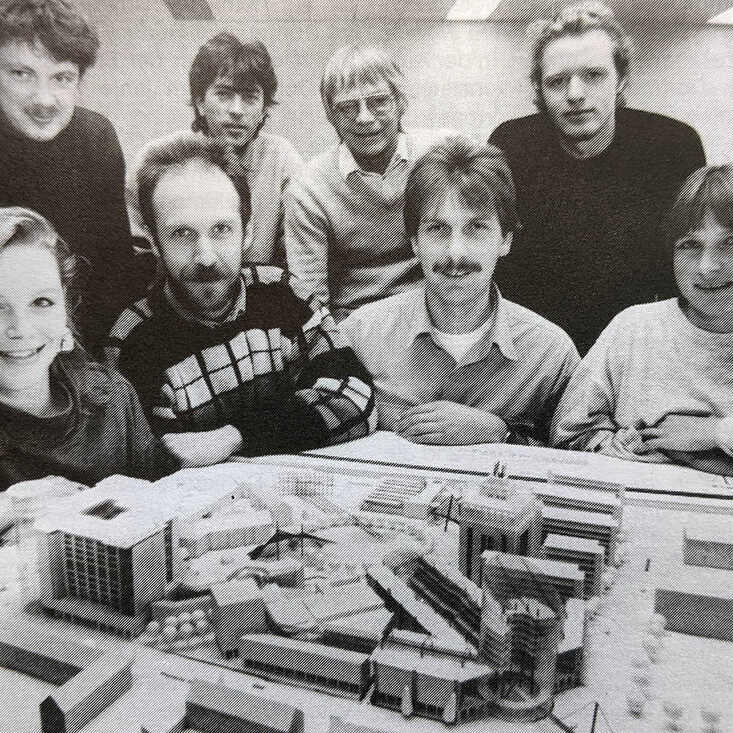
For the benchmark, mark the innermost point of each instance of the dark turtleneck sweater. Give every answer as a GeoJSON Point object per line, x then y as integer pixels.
{"type": "Point", "coordinates": [592, 238]}
{"type": "Point", "coordinates": [77, 181]}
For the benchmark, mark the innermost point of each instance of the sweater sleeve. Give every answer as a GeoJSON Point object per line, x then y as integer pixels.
{"type": "Point", "coordinates": [147, 458]}
{"type": "Point", "coordinates": [332, 400]}
{"type": "Point", "coordinates": [584, 419]}
{"type": "Point", "coordinates": [306, 242]}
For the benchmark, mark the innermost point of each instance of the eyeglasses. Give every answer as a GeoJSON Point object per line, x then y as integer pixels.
{"type": "Point", "coordinates": [379, 105]}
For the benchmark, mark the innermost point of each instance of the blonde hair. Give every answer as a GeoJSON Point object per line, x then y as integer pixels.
{"type": "Point", "coordinates": [361, 65]}
{"type": "Point", "coordinates": [19, 225]}
{"type": "Point", "coordinates": [574, 20]}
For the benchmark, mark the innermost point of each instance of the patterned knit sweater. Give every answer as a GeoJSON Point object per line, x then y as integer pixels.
{"type": "Point", "coordinates": [279, 372]}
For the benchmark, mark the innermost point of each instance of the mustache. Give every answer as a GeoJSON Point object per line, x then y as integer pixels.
{"type": "Point", "coordinates": [42, 110]}
{"type": "Point", "coordinates": [448, 263]}
{"type": "Point", "coordinates": [206, 273]}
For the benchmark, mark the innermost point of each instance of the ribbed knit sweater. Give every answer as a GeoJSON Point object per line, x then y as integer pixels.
{"type": "Point", "coordinates": [650, 362]}
{"type": "Point", "coordinates": [280, 373]}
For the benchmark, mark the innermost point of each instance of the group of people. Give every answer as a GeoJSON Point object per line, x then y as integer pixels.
{"type": "Point", "coordinates": [226, 298]}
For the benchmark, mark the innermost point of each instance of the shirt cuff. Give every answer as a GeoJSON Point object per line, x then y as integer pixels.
{"type": "Point", "coordinates": [724, 434]}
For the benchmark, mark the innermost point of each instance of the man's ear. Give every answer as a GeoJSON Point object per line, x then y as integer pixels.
{"type": "Point", "coordinates": [538, 102]}
{"type": "Point", "coordinates": [506, 245]}
{"type": "Point", "coordinates": [199, 104]}
{"type": "Point", "coordinates": [415, 246]}
{"type": "Point", "coordinates": [623, 83]}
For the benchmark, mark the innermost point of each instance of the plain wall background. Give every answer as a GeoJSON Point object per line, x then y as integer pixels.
{"type": "Point", "coordinates": [468, 76]}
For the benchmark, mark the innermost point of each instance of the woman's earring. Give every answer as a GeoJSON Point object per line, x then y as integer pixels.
{"type": "Point", "coordinates": [67, 341]}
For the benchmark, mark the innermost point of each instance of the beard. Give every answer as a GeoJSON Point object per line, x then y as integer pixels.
{"type": "Point", "coordinates": [207, 291]}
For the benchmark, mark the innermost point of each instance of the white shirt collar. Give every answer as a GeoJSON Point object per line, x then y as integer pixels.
{"type": "Point", "coordinates": [348, 165]}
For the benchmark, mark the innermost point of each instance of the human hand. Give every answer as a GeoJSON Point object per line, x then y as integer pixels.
{"type": "Point", "coordinates": [206, 448]}
{"type": "Point", "coordinates": [687, 433]}
{"type": "Point", "coordinates": [450, 423]}
{"type": "Point", "coordinates": [624, 441]}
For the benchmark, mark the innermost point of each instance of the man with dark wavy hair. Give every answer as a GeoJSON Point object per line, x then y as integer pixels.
{"type": "Point", "coordinates": [593, 179]}
{"type": "Point", "coordinates": [60, 159]}
{"type": "Point", "coordinates": [233, 85]}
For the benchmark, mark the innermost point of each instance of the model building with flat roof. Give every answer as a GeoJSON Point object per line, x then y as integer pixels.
{"type": "Point", "coordinates": [501, 516]}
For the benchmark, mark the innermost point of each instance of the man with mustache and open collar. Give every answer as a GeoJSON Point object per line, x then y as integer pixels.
{"type": "Point", "coordinates": [453, 362]}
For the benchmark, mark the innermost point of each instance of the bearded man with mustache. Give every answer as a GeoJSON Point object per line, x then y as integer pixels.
{"type": "Point", "coordinates": [453, 362]}
{"type": "Point", "coordinates": [226, 359]}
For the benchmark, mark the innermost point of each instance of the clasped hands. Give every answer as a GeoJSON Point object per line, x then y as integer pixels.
{"type": "Point", "coordinates": [450, 423]}
{"type": "Point", "coordinates": [674, 433]}
{"type": "Point", "coordinates": [206, 448]}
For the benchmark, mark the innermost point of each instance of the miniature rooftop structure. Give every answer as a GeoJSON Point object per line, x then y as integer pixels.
{"type": "Point", "coordinates": [119, 511]}
{"type": "Point", "coordinates": [586, 554]}
{"type": "Point", "coordinates": [212, 708]}
{"type": "Point", "coordinates": [438, 686]}
{"type": "Point", "coordinates": [708, 541]}
{"type": "Point", "coordinates": [567, 497]}
{"type": "Point", "coordinates": [305, 663]}
{"type": "Point", "coordinates": [69, 708]}
{"type": "Point", "coordinates": [288, 536]}
{"type": "Point", "coordinates": [31, 499]}
{"type": "Point", "coordinates": [238, 608]}
{"type": "Point", "coordinates": [410, 496]}
{"type": "Point", "coordinates": [226, 531]}
{"type": "Point", "coordinates": [501, 515]}
{"type": "Point", "coordinates": [550, 581]}
{"type": "Point", "coordinates": [527, 687]}
{"type": "Point", "coordinates": [107, 553]}
{"type": "Point", "coordinates": [589, 525]}
{"type": "Point", "coordinates": [41, 654]}
{"type": "Point", "coordinates": [398, 594]}
{"type": "Point", "coordinates": [696, 600]}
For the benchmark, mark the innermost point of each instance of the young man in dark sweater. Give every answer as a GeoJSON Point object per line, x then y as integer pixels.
{"type": "Point", "coordinates": [593, 180]}
{"type": "Point", "coordinates": [59, 159]}
{"type": "Point", "coordinates": [227, 359]}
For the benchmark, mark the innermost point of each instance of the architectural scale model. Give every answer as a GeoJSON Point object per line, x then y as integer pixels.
{"type": "Point", "coordinates": [446, 599]}
{"type": "Point", "coordinates": [697, 597]}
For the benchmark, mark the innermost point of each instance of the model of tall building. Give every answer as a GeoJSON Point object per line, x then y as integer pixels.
{"type": "Point", "coordinates": [107, 553]}
{"type": "Point", "coordinates": [499, 516]}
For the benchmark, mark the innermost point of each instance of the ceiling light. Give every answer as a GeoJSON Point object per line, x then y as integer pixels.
{"type": "Point", "coordinates": [724, 18]}
{"type": "Point", "coordinates": [472, 9]}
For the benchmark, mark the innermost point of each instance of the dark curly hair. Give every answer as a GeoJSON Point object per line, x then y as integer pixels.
{"type": "Point", "coordinates": [56, 24]}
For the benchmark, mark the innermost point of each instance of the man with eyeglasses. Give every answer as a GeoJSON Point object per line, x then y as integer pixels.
{"type": "Point", "coordinates": [594, 179]}
{"type": "Point", "coordinates": [344, 230]}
